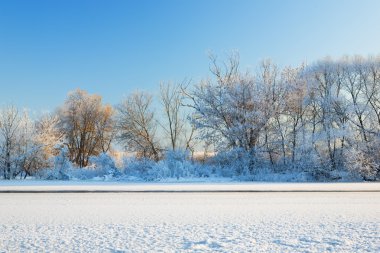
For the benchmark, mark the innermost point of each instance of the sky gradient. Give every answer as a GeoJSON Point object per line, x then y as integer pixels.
{"type": "Point", "coordinates": [48, 48]}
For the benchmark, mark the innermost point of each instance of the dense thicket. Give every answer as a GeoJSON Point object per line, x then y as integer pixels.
{"type": "Point", "coordinates": [321, 119]}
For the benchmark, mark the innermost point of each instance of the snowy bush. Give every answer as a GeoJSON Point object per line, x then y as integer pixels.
{"type": "Point", "coordinates": [364, 162]}
{"type": "Point", "coordinates": [179, 165]}
{"type": "Point", "coordinates": [176, 165]}
{"type": "Point", "coordinates": [105, 164]}
{"type": "Point", "coordinates": [102, 167]}
{"type": "Point", "coordinates": [61, 170]}
{"type": "Point", "coordinates": [236, 162]}
{"type": "Point", "coordinates": [139, 168]}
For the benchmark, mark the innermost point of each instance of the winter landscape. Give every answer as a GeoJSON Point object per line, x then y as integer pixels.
{"type": "Point", "coordinates": [192, 126]}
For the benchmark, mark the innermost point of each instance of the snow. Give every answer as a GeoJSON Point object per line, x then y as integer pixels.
{"type": "Point", "coordinates": [110, 186]}
{"type": "Point", "coordinates": [190, 222]}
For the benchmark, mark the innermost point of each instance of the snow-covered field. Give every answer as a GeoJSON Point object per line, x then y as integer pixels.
{"type": "Point", "coordinates": [104, 186]}
{"type": "Point", "coordinates": [190, 222]}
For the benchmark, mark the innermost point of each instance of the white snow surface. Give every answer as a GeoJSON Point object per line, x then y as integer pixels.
{"type": "Point", "coordinates": [191, 221]}
{"type": "Point", "coordinates": [89, 186]}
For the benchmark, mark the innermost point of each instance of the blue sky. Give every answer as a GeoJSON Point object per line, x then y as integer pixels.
{"type": "Point", "coordinates": [48, 48]}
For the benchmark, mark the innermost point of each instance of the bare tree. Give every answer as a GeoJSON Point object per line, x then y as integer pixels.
{"type": "Point", "coordinates": [171, 99]}
{"type": "Point", "coordinates": [137, 126]}
{"type": "Point", "coordinates": [176, 125]}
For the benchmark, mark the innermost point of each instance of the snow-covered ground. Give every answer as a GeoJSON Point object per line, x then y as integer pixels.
{"type": "Point", "coordinates": [102, 186]}
{"type": "Point", "coordinates": [190, 222]}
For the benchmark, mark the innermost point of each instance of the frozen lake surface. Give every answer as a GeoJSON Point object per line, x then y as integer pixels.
{"type": "Point", "coordinates": [190, 222]}
{"type": "Point", "coordinates": [120, 186]}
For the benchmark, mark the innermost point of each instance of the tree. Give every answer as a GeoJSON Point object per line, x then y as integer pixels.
{"type": "Point", "coordinates": [178, 129]}
{"type": "Point", "coordinates": [171, 99]}
{"type": "Point", "coordinates": [19, 153]}
{"type": "Point", "coordinates": [10, 121]}
{"type": "Point", "coordinates": [49, 135]}
{"type": "Point", "coordinates": [274, 92]}
{"type": "Point", "coordinates": [87, 125]}
{"type": "Point", "coordinates": [329, 111]}
{"type": "Point", "coordinates": [295, 107]}
{"type": "Point", "coordinates": [234, 108]}
{"type": "Point", "coordinates": [28, 153]}
{"type": "Point", "coordinates": [137, 126]}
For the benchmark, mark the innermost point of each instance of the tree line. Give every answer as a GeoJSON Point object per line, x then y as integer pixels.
{"type": "Point", "coordinates": [323, 117]}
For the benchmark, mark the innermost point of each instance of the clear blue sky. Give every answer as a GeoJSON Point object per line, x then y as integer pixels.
{"type": "Point", "coordinates": [111, 47]}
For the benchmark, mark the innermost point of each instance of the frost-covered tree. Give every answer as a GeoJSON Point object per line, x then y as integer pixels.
{"type": "Point", "coordinates": [48, 135]}
{"type": "Point", "coordinates": [137, 125]}
{"type": "Point", "coordinates": [20, 152]}
{"type": "Point", "coordinates": [28, 151]}
{"type": "Point", "coordinates": [328, 112]}
{"type": "Point", "coordinates": [176, 127]}
{"type": "Point", "coordinates": [341, 109]}
{"type": "Point", "coordinates": [275, 92]}
{"type": "Point", "coordinates": [87, 125]}
{"type": "Point", "coordinates": [10, 122]}
{"type": "Point", "coordinates": [287, 128]}
{"type": "Point", "coordinates": [370, 77]}
{"type": "Point", "coordinates": [172, 100]}
{"type": "Point", "coordinates": [233, 109]}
